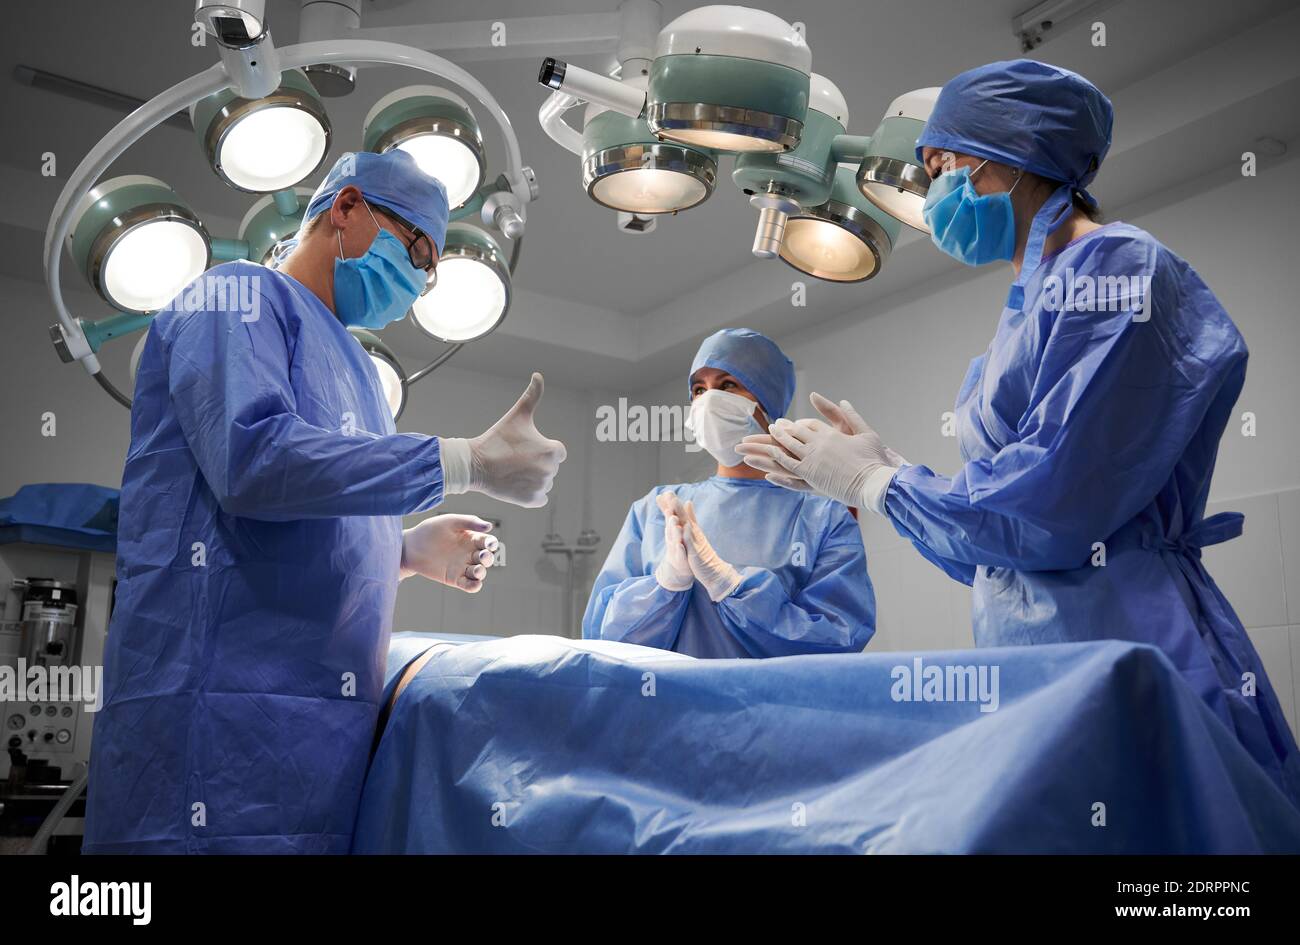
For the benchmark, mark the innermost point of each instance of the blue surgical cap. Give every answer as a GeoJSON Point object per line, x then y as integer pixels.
{"type": "Point", "coordinates": [1026, 114]}
{"type": "Point", "coordinates": [755, 361]}
{"type": "Point", "coordinates": [391, 180]}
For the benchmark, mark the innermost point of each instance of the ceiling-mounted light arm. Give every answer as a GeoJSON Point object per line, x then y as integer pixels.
{"type": "Point", "coordinates": [216, 77]}
{"type": "Point", "coordinates": [243, 43]}
{"type": "Point", "coordinates": [551, 116]}
{"type": "Point", "coordinates": [591, 86]}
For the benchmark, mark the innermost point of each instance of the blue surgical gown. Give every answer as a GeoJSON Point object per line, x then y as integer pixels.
{"type": "Point", "coordinates": [804, 586]}
{"type": "Point", "coordinates": [257, 564]}
{"type": "Point", "coordinates": [1089, 439]}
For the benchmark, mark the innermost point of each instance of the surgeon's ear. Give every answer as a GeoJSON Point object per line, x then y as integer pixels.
{"type": "Point", "coordinates": [347, 203]}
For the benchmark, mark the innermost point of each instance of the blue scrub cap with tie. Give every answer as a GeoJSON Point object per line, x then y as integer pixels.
{"type": "Point", "coordinates": [1027, 114]}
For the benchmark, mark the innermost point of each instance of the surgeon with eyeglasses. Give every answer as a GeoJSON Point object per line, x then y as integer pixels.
{"type": "Point", "coordinates": [260, 540]}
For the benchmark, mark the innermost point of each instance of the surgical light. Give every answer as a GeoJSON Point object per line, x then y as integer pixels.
{"type": "Point", "coordinates": [472, 294]}
{"type": "Point", "coordinates": [624, 167]}
{"type": "Point", "coordinates": [779, 185]}
{"type": "Point", "coordinates": [890, 175]}
{"type": "Point", "coordinates": [845, 239]}
{"type": "Point", "coordinates": [266, 144]}
{"type": "Point", "coordinates": [392, 378]}
{"type": "Point", "coordinates": [729, 78]}
{"type": "Point", "coordinates": [266, 224]}
{"type": "Point", "coordinates": [137, 243]}
{"type": "Point", "coordinates": [437, 128]}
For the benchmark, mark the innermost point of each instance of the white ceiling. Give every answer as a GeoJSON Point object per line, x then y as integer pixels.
{"type": "Point", "coordinates": [1194, 83]}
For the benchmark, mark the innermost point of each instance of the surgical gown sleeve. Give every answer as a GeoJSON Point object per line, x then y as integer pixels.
{"type": "Point", "coordinates": [1113, 400]}
{"type": "Point", "coordinates": [834, 611]}
{"type": "Point", "coordinates": [230, 383]}
{"type": "Point", "coordinates": [627, 603]}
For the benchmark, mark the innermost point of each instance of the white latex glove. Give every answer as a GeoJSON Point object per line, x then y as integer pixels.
{"type": "Point", "coordinates": [511, 461]}
{"type": "Point", "coordinates": [451, 549]}
{"type": "Point", "coordinates": [844, 459]}
{"type": "Point", "coordinates": [718, 577]}
{"type": "Point", "coordinates": [673, 572]}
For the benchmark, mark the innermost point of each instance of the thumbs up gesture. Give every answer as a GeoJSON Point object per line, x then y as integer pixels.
{"type": "Point", "coordinates": [512, 461]}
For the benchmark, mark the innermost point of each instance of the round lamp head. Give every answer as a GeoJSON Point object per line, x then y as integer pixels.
{"type": "Point", "coordinates": [729, 78]}
{"type": "Point", "coordinates": [845, 239]}
{"type": "Point", "coordinates": [138, 243]}
{"type": "Point", "coordinates": [392, 378]}
{"type": "Point", "coordinates": [472, 294]}
{"type": "Point", "coordinates": [437, 128]}
{"type": "Point", "coordinates": [267, 144]}
{"type": "Point", "coordinates": [264, 226]}
{"type": "Point", "coordinates": [890, 175]}
{"type": "Point", "coordinates": [626, 168]}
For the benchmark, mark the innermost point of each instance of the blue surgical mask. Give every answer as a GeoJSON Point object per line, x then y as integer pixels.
{"type": "Point", "coordinates": [970, 227]}
{"type": "Point", "coordinates": [377, 288]}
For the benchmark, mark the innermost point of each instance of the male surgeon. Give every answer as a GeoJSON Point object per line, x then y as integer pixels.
{"type": "Point", "coordinates": [261, 543]}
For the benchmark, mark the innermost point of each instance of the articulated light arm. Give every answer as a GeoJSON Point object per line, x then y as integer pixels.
{"type": "Point", "coordinates": [180, 96]}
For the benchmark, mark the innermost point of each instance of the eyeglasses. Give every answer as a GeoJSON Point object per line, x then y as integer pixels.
{"type": "Point", "coordinates": [419, 249]}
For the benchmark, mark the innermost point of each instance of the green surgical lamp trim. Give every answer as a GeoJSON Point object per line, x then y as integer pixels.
{"type": "Point", "coordinates": [805, 174]}
{"type": "Point", "coordinates": [114, 208]}
{"type": "Point", "coordinates": [727, 94]}
{"type": "Point", "coordinates": [614, 144]}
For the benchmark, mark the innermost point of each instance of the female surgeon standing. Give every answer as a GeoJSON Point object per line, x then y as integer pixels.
{"type": "Point", "coordinates": [734, 566]}
{"type": "Point", "coordinates": [1090, 426]}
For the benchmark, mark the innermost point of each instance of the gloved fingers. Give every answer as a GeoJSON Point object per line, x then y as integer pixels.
{"type": "Point", "coordinates": [771, 460]}
{"type": "Point", "coordinates": [690, 538]}
{"type": "Point", "coordinates": [786, 438]}
{"type": "Point", "coordinates": [556, 450]}
{"type": "Point", "coordinates": [527, 403]}
{"type": "Point", "coordinates": [696, 542]}
{"type": "Point", "coordinates": [468, 584]}
{"type": "Point", "coordinates": [831, 411]}
{"type": "Point", "coordinates": [482, 541]}
{"type": "Point", "coordinates": [757, 439]}
{"type": "Point", "coordinates": [761, 446]}
{"type": "Point", "coordinates": [669, 504]}
{"type": "Point", "coordinates": [489, 543]}
{"type": "Point", "coordinates": [789, 482]}
{"type": "Point", "coordinates": [485, 558]}
{"type": "Point", "coordinates": [470, 523]}
{"type": "Point", "coordinates": [476, 572]}
{"type": "Point", "coordinates": [854, 418]}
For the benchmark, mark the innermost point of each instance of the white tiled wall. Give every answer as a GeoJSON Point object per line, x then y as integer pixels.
{"type": "Point", "coordinates": [919, 607]}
